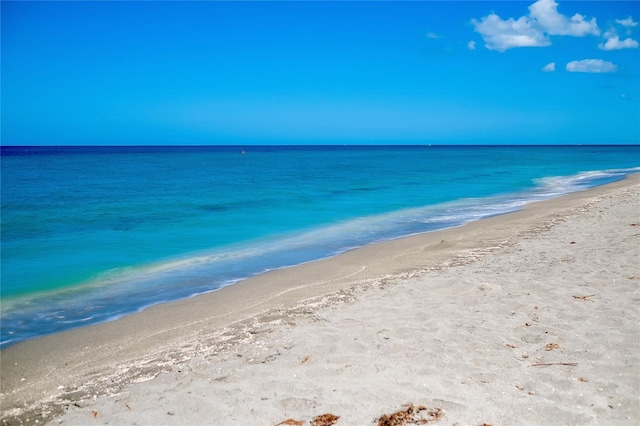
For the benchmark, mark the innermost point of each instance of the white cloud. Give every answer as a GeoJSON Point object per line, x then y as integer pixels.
{"type": "Point", "coordinates": [591, 66]}
{"type": "Point", "coordinates": [471, 45]}
{"type": "Point", "coordinates": [614, 43]}
{"type": "Point", "coordinates": [549, 67]}
{"type": "Point", "coordinates": [432, 35]}
{"type": "Point", "coordinates": [501, 35]}
{"type": "Point", "coordinates": [627, 22]}
{"type": "Point", "coordinates": [545, 12]}
{"type": "Point", "coordinates": [534, 29]}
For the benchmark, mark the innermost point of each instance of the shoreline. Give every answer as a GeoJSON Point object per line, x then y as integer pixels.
{"type": "Point", "coordinates": [42, 376]}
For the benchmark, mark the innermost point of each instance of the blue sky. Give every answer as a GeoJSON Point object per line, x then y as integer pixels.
{"type": "Point", "coordinates": [320, 72]}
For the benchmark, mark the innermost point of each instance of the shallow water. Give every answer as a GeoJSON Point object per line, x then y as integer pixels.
{"type": "Point", "coordinates": [91, 234]}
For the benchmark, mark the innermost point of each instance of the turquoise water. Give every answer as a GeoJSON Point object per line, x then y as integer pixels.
{"type": "Point", "coordinates": [91, 234]}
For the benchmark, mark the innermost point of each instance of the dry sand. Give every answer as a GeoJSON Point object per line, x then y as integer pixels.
{"type": "Point", "coordinates": [529, 318]}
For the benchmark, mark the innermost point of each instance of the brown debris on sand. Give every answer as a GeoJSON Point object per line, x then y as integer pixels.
{"type": "Point", "coordinates": [419, 415]}
{"type": "Point", "coordinates": [321, 420]}
{"type": "Point", "coordinates": [584, 297]}
{"type": "Point", "coordinates": [291, 422]}
{"type": "Point", "coordinates": [551, 346]}
{"type": "Point", "coordinates": [546, 364]}
{"type": "Point", "coordinates": [325, 420]}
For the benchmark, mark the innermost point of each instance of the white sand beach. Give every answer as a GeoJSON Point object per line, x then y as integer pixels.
{"type": "Point", "coordinates": [528, 318]}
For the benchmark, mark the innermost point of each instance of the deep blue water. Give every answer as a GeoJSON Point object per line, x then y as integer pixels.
{"type": "Point", "coordinates": [93, 233]}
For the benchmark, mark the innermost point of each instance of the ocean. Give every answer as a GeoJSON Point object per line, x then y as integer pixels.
{"type": "Point", "coordinates": [89, 234]}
